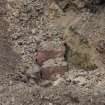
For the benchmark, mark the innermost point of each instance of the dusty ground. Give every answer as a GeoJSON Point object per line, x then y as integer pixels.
{"type": "Point", "coordinates": [24, 25]}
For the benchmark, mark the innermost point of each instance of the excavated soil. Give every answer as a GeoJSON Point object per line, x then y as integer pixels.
{"type": "Point", "coordinates": [79, 27]}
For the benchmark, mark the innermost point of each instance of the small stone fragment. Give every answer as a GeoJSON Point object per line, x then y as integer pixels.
{"type": "Point", "coordinates": [34, 72]}
{"type": "Point", "coordinates": [80, 80]}
{"type": "Point", "coordinates": [24, 79]}
{"type": "Point", "coordinates": [58, 81]}
{"type": "Point", "coordinates": [54, 11]}
{"type": "Point", "coordinates": [46, 83]}
{"type": "Point", "coordinates": [50, 104]}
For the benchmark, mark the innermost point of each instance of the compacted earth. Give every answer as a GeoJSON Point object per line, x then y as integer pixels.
{"type": "Point", "coordinates": [52, 52]}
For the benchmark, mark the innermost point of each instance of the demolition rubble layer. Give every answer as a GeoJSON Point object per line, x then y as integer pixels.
{"type": "Point", "coordinates": [52, 52]}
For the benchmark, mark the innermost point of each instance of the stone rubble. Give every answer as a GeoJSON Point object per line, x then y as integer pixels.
{"type": "Point", "coordinates": [32, 36]}
{"type": "Point", "coordinates": [39, 43]}
{"type": "Point", "coordinates": [50, 56]}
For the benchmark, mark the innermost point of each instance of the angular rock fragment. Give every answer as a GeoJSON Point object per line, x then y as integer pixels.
{"type": "Point", "coordinates": [46, 83]}
{"type": "Point", "coordinates": [34, 72]}
{"type": "Point", "coordinates": [49, 49]}
{"type": "Point", "coordinates": [54, 11]}
{"type": "Point", "coordinates": [53, 67]}
{"type": "Point", "coordinates": [59, 81]}
{"type": "Point", "coordinates": [80, 80]}
{"type": "Point", "coordinates": [66, 4]}
{"type": "Point", "coordinates": [62, 3]}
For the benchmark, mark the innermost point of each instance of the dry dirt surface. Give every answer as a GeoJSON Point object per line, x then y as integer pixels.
{"type": "Point", "coordinates": [52, 52]}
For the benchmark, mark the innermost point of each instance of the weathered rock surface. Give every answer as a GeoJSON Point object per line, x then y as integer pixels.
{"type": "Point", "coordinates": [53, 67]}
{"type": "Point", "coordinates": [80, 52]}
{"type": "Point", "coordinates": [48, 50]}
{"type": "Point", "coordinates": [50, 56]}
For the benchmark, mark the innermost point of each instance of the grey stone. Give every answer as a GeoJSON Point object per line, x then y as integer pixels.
{"type": "Point", "coordinates": [34, 72]}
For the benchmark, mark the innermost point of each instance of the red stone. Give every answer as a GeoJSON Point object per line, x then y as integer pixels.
{"type": "Point", "coordinates": [48, 72]}
{"type": "Point", "coordinates": [44, 55]}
